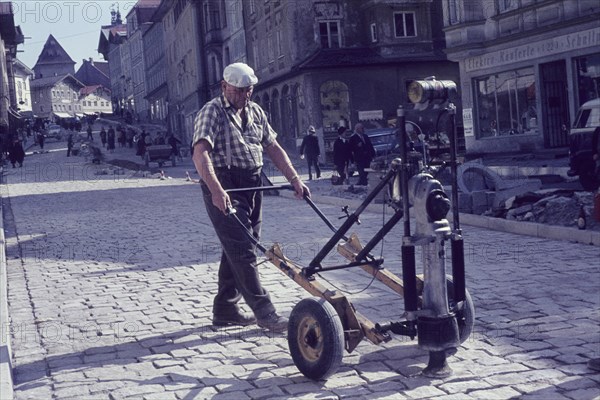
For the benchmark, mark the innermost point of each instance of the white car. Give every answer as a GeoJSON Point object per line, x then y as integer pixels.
{"type": "Point", "coordinates": [53, 132]}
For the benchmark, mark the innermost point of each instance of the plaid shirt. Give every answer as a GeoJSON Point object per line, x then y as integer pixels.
{"type": "Point", "coordinates": [218, 119]}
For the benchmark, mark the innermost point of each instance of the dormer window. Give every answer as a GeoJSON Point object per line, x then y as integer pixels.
{"type": "Point", "coordinates": [329, 32]}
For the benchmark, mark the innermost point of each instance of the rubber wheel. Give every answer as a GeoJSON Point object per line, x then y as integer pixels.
{"type": "Point", "coordinates": [589, 181]}
{"type": "Point", "coordinates": [466, 316]}
{"type": "Point", "coordinates": [315, 338]}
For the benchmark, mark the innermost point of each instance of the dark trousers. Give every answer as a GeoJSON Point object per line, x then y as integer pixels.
{"type": "Point", "coordinates": [238, 271]}
{"type": "Point", "coordinates": [313, 160]}
{"type": "Point", "coordinates": [362, 174]}
{"type": "Point", "coordinates": [341, 170]}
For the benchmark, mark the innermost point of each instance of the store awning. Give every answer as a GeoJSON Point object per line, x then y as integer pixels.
{"type": "Point", "coordinates": [79, 115]}
{"type": "Point", "coordinates": [62, 115]}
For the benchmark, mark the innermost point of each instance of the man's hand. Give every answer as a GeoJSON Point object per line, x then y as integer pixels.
{"type": "Point", "coordinates": [300, 188]}
{"type": "Point", "coordinates": [221, 200]}
{"type": "Point", "coordinates": [302, 156]}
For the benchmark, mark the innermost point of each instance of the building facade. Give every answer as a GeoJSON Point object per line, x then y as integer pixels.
{"type": "Point", "coordinates": [137, 22]}
{"type": "Point", "coordinates": [95, 99]}
{"type": "Point", "coordinates": [185, 64]}
{"type": "Point", "coordinates": [525, 66]}
{"type": "Point", "coordinates": [341, 62]}
{"type": "Point", "coordinates": [53, 60]}
{"type": "Point", "coordinates": [23, 75]}
{"type": "Point", "coordinates": [157, 92]}
{"type": "Point", "coordinates": [10, 37]}
{"type": "Point", "coordinates": [56, 97]}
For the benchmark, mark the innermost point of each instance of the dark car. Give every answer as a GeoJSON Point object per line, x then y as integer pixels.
{"type": "Point", "coordinates": [581, 145]}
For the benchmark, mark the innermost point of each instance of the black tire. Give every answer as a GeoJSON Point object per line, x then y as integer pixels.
{"type": "Point", "coordinates": [315, 338]}
{"type": "Point", "coordinates": [589, 181]}
{"type": "Point", "coordinates": [466, 315]}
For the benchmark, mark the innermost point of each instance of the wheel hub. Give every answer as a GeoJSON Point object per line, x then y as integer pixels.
{"type": "Point", "coordinates": [310, 339]}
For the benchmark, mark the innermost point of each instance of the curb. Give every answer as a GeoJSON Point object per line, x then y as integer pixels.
{"type": "Point", "coordinates": [6, 377]}
{"type": "Point", "coordinates": [554, 232]}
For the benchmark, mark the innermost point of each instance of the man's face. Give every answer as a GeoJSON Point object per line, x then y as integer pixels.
{"type": "Point", "coordinates": [360, 128]}
{"type": "Point", "coordinates": [238, 97]}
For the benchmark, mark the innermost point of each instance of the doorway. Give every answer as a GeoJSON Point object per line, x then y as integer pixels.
{"type": "Point", "coordinates": [555, 104]}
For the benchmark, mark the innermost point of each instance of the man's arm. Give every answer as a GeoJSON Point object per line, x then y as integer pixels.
{"type": "Point", "coordinates": [283, 163]}
{"type": "Point", "coordinates": [204, 166]}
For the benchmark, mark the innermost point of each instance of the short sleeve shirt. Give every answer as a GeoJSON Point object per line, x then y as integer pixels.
{"type": "Point", "coordinates": [218, 118]}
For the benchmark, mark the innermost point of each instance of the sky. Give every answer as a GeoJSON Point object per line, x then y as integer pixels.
{"type": "Point", "coordinates": [75, 25]}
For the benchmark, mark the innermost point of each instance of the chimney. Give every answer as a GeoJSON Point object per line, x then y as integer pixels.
{"type": "Point", "coordinates": [91, 60]}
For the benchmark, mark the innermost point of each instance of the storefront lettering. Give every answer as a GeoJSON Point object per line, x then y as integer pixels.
{"type": "Point", "coordinates": [539, 49]}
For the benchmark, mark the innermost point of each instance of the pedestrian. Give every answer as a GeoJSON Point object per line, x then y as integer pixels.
{"type": "Point", "coordinates": [69, 144]}
{"type": "Point", "coordinates": [342, 155]}
{"type": "Point", "coordinates": [174, 143]}
{"type": "Point", "coordinates": [41, 139]}
{"type": "Point", "coordinates": [310, 149]}
{"type": "Point", "coordinates": [110, 140]}
{"type": "Point", "coordinates": [89, 133]}
{"type": "Point", "coordinates": [362, 152]}
{"type": "Point", "coordinates": [230, 134]}
{"type": "Point", "coordinates": [103, 137]}
{"type": "Point", "coordinates": [16, 153]}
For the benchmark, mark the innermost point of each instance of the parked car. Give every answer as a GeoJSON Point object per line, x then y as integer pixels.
{"type": "Point", "coordinates": [53, 132]}
{"type": "Point", "coordinates": [581, 135]}
{"type": "Point", "coordinates": [384, 139]}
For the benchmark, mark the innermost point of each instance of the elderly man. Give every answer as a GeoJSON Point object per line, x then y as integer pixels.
{"type": "Point", "coordinates": [230, 134]}
{"type": "Point", "coordinates": [362, 152]}
{"type": "Point", "coordinates": [310, 149]}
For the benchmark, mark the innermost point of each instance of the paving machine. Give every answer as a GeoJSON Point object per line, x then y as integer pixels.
{"type": "Point", "coordinates": [438, 309]}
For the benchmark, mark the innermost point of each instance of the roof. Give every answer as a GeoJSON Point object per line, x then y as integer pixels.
{"type": "Point", "coordinates": [53, 80]}
{"type": "Point", "coordinates": [351, 57]}
{"type": "Point", "coordinates": [21, 65]}
{"type": "Point", "coordinates": [84, 91]}
{"type": "Point", "coordinates": [53, 53]}
{"type": "Point", "coordinates": [92, 73]}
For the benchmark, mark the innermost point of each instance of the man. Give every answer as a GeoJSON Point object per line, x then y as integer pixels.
{"type": "Point", "coordinates": [310, 150]}
{"type": "Point", "coordinates": [342, 154]}
{"type": "Point", "coordinates": [362, 152]}
{"type": "Point", "coordinates": [230, 134]}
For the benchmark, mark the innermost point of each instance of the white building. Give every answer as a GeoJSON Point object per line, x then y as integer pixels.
{"type": "Point", "coordinates": [95, 99]}
{"type": "Point", "coordinates": [22, 75]}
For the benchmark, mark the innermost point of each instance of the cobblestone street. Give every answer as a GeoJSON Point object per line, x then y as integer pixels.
{"type": "Point", "coordinates": [111, 280]}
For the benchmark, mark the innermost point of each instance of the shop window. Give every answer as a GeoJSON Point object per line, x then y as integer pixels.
{"type": "Point", "coordinates": [588, 77]}
{"type": "Point", "coordinates": [405, 24]}
{"type": "Point", "coordinates": [506, 103]}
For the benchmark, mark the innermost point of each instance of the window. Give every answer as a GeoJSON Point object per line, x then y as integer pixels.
{"type": "Point", "coordinates": [405, 24]}
{"type": "Point", "coordinates": [505, 5]}
{"type": "Point", "coordinates": [588, 77]}
{"type": "Point", "coordinates": [373, 32]}
{"type": "Point", "coordinates": [329, 32]}
{"type": "Point", "coordinates": [271, 48]}
{"type": "Point", "coordinates": [454, 14]}
{"type": "Point", "coordinates": [252, 6]}
{"type": "Point", "coordinates": [279, 43]}
{"type": "Point", "coordinates": [506, 103]}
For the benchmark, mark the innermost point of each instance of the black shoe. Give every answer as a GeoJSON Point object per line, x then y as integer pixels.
{"type": "Point", "coordinates": [273, 322]}
{"type": "Point", "coordinates": [235, 319]}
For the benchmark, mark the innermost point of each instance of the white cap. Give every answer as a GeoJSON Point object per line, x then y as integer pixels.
{"type": "Point", "coordinates": [311, 129]}
{"type": "Point", "coordinates": [239, 75]}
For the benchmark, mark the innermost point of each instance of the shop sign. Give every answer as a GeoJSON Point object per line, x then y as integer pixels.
{"type": "Point", "coordinates": [468, 121]}
{"type": "Point", "coordinates": [370, 115]}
